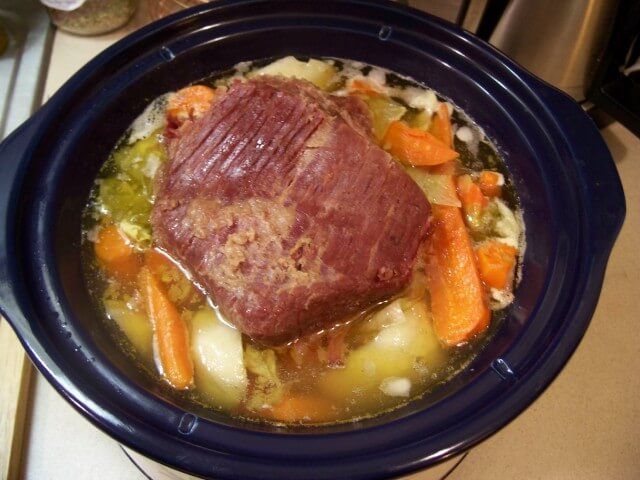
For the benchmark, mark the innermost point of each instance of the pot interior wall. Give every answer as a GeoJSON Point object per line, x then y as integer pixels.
{"type": "Point", "coordinates": [120, 95]}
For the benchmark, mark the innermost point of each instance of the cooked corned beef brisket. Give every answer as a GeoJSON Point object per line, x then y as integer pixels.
{"type": "Point", "coordinates": [285, 210]}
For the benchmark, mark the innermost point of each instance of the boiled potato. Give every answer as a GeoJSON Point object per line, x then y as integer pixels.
{"type": "Point", "coordinates": [319, 73]}
{"type": "Point", "coordinates": [410, 331]}
{"type": "Point", "coordinates": [218, 359]}
{"type": "Point", "coordinates": [405, 336]}
{"type": "Point", "coordinates": [135, 326]}
{"type": "Point", "coordinates": [365, 369]}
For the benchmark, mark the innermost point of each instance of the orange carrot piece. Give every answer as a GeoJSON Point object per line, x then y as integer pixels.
{"type": "Point", "coordinates": [116, 254]}
{"type": "Point", "coordinates": [157, 262]}
{"type": "Point", "coordinates": [416, 147]}
{"type": "Point", "coordinates": [496, 263]}
{"type": "Point", "coordinates": [189, 102]}
{"type": "Point", "coordinates": [169, 274]}
{"type": "Point", "coordinates": [457, 295]}
{"type": "Point", "coordinates": [112, 245]}
{"type": "Point", "coordinates": [298, 408]}
{"type": "Point", "coordinates": [472, 198]}
{"type": "Point", "coordinates": [170, 330]}
{"type": "Point", "coordinates": [358, 85]}
{"type": "Point", "coordinates": [489, 182]}
{"type": "Point", "coordinates": [441, 129]}
{"type": "Point", "coordinates": [441, 125]}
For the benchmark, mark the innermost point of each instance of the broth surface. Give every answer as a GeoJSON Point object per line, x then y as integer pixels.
{"type": "Point", "coordinates": [369, 363]}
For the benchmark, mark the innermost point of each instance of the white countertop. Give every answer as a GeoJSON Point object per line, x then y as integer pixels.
{"type": "Point", "coordinates": [585, 426]}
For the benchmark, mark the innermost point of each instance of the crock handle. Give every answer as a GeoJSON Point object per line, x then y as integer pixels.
{"type": "Point", "coordinates": [15, 152]}
{"type": "Point", "coordinates": [599, 181]}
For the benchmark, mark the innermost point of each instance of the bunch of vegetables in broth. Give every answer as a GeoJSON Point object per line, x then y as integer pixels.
{"type": "Point", "coordinates": [370, 362]}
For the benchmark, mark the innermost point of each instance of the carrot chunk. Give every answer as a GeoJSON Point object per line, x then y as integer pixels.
{"type": "Point", "coordinates": [157, 262]}
{"type": "Point", "coordinates": [364, 87]}
{"type": "Point", "coordinates": [298, 408]}
{"type": "Point", "coordinates": [416, 147]}
{"type": "Point", "coordinates": [116, 254]}
{"type": "Point", "coordinates": [441, 125]}
{"type": "Point", "coordinates": [189, 102]}
{"type": "Point", "coordinates": [170, 330]}
{"type": "Point", "coordinates": [457, 295]}
{"type": "Point", "coordinates": [112, 245]}
{"type": "Point", "coordinates": [490, 183]}
{"type": "Point", "coordinates": [179, 288]}
{"type": "Point", "coordinates": [472, 198]}
{"type": "Point", "coordinates": [496, 262]}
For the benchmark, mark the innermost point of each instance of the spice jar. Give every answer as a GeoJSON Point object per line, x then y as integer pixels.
{"type": "Point", "coordinates": [162, 8]}
{"type": "Point", "coordinates": [90, 17]}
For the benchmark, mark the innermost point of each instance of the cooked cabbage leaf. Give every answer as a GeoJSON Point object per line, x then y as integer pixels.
{"type": "Point", "coordinates": [127, 195]}
{"type": "Point", "coordinates": [437, 188]}
{"type": "Point", "coordinates": [268, 389]}
{"type": "Point", "coordinates": [383, 111]}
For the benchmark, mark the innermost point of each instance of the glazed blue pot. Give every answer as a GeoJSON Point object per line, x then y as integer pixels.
{"type": "Point", "coordinates": [568, 186]}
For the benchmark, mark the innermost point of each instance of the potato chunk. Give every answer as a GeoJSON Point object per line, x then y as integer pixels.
{"type": "Point", "coordinates": [404, 338]}
{"type": "Point", "coordinates": [218, 359]}
{"type": "Point", "coordinates": [319, 73]}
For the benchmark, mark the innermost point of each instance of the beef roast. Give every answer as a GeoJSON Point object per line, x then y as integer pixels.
{"type": "Point", "coordinates": [284, 209]}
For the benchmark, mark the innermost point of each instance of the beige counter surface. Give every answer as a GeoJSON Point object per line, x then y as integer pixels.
{"type": "Point", "coordinates": [585, 425]}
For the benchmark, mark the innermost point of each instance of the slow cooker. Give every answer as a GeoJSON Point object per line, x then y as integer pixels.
{"type": "Point", "coordinates": [568, 186]}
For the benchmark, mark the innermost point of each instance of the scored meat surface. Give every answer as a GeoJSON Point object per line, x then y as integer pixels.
{"type": "Point", "coordinates": [281, 205]}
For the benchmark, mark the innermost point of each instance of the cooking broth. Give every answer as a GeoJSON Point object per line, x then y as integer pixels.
{"type": "Point", "coordinates": [370, 362]}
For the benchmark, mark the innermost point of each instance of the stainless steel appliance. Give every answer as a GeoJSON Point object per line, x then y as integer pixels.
{"type": "Point", "coordinates": [560, 41]}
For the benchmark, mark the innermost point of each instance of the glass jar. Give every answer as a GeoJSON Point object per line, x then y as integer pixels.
{"type": "Point", "coordinates": [162, 8]}
{"type": "Point", "coordinates": [90, 17]}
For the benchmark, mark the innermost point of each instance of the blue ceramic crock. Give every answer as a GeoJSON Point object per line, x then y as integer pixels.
{"type": "Point", "coordinates": [568, 185]}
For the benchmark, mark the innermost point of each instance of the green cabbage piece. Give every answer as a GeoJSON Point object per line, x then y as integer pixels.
{"type": "Point", "coordinates": [127, 194]}
{"type": "Point", "coordinates": [437, 188]}
{"type": "Point", "coordinates": [141, 160]}
{"type": "Point", "coordinates": [420, 119]}
{"type": "Point", "coordinates": [268, 389]}
{"type": "Point", "coordinates": [383, 111]}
